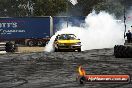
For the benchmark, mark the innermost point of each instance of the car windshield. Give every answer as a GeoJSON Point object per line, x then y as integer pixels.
{"type": "Point", "coordinates": [67, 37]}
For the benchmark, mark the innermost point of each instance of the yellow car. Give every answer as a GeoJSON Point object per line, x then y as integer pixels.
{"type": "Point", "coordinates": [67, 42]}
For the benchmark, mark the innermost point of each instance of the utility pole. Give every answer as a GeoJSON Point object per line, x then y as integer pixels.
{"type": "Point", "coordinates": [67, 11]}
{"type": "Point", "coordinates": [124, 17]}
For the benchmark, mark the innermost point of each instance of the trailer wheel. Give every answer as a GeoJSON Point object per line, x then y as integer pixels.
{"type": "Point", "coordinates": [10, 47]}
{"type": "Point", "coordinates": [40, 43]}
{"type": "Point", "coordinates": [30, 43]}
{"type": "Point", "coordinates": [45, 43]}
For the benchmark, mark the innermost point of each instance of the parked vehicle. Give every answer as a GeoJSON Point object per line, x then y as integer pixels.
{"type": "Point", "coordinates": [33, 31]}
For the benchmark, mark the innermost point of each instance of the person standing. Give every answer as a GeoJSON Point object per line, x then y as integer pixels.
{"type": "Point", "coordinates": [129, 36]}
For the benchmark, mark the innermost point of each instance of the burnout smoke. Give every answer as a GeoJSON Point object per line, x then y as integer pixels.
{"type": "Point", "coordinates": [99, 31]}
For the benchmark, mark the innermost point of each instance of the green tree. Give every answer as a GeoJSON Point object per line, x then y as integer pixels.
{"type": "Point", "coordinates": [84, 7]}
{"type": "Point", "coordinates": [115, 7]}
{"type": "Point", "coordinates": [21, 8]}
{"type": "Point", "coordinates": [49, 7]}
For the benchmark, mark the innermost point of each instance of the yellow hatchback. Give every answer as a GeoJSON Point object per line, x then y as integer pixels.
{"type": "Point", "coordinates": [67, 42]}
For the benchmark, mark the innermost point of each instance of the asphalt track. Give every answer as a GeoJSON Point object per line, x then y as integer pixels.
{"type": "Point", "coordinates": [59, 69]}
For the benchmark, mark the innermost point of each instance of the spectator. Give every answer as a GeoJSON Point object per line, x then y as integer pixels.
{"type": "Point", "coordinates": [129, 36]}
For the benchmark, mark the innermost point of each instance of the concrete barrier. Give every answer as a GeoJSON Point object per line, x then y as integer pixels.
{"type": "Point", "coordinates": [2, 48]}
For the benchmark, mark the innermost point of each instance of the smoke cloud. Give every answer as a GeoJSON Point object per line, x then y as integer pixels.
{"type": "Point", "coordinates": [99, 31]}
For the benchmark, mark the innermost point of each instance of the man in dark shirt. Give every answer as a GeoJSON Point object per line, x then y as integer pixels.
{"type": "Point", "coordinates": [129, 36]}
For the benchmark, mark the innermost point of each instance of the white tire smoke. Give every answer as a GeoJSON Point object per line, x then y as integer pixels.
{"type": "Point", "coordinates": [100, 31]}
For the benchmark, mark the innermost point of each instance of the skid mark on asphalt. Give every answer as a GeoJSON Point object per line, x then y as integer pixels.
{"type": "Point", "coordinates": [59, 69]}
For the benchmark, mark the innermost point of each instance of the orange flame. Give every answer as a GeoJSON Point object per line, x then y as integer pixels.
{"type": "Point", "coordinates": [82, 72]}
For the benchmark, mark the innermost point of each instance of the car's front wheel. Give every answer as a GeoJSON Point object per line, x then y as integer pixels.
{"type": "Point", "coordinates": [79, 50]}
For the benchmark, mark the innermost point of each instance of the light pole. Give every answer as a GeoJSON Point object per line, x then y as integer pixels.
{"type": "Point", "coordinates": [67, 11]}
{"type": "Point", "coordinates": [124, 18]}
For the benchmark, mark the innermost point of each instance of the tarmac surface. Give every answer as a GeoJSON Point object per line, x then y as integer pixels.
{"type": "Point", "coordinates": [59, 69]}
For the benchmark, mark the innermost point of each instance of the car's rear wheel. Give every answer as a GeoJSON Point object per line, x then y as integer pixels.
{"type": "Point", "coordinates": [56, 50]}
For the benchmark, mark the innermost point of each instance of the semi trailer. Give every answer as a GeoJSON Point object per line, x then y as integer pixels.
{"type": "Point", "coordinates": [27, 31]}
{"type": "Point", "coordinates": [33, 31]}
